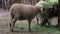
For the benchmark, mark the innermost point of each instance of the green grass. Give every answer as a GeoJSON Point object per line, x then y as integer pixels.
{"type": "Point", "coordinates": [38, 28]}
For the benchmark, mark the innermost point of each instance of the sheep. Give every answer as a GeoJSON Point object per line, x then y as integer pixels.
{"type": "Point", "coordinates": [41, 16]}
{"type": "Point", "coordinates": [23, 12]}
{"type": "Point", "coordinates": [50, 12]}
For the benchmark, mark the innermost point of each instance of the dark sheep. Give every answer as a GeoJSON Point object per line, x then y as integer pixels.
{"type": "Point", "coordinates": [51, 11]}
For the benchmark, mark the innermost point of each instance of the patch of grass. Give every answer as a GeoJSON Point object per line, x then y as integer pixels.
{"type": "Point", "coordinates": [35, 27]}
{"type": "Point", "coordinates": [21, 27]}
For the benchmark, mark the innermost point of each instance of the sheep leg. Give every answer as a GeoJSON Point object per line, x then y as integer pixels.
{"type": "Point", "coordinates": [37, 20]}
{"type": "Point", "coordinates": [11, 20]}
{"type": "Point", "coordinates": [48, 22]}
{"type": "Point", "coordinates": [39, 16]}
{"type": "Point", "coordinates": [29, 25]}
{"type": "Point", "coordinates": [13, 23]}
{"type": "Point", "coordinates": [43, 22]}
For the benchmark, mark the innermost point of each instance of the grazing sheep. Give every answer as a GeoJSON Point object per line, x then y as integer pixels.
{"type": "Point", "coordinates": [23, 12]}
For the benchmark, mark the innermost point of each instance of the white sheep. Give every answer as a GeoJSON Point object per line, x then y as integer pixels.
{"type": "Point", "coordinates": [23, 12]}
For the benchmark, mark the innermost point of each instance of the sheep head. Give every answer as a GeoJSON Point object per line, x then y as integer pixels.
{"type": "Point", "coordinates": [39, 8]}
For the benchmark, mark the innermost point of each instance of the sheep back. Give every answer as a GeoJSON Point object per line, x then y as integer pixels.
{"type": "Point", "coordinates": [22, 10]}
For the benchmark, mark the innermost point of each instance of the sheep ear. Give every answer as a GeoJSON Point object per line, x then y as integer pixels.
{"type": "Point", "coordinates": [39, 8]}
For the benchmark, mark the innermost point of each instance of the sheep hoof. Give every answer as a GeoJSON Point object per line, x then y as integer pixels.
{"type": "Point", "coordinates": [29, 30]}
{"type": "Point", "coordinates": [47, 26]}
{"type": "Point", "coordinates": [38, 24]}
{"type": "Point", "coordinates": [12, 30]}
{"type": "Point", "coordinates": [41, 25]}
